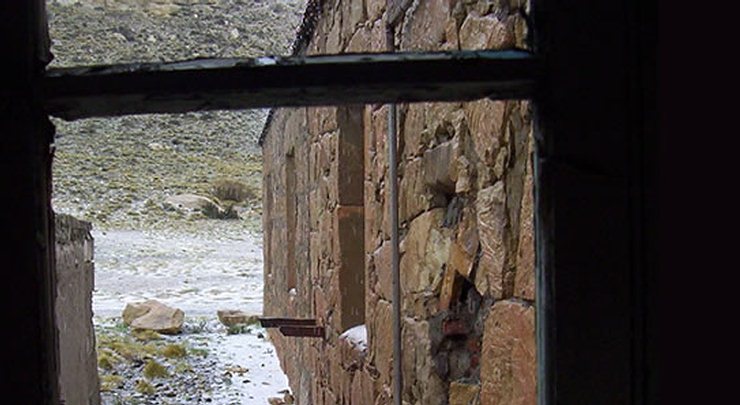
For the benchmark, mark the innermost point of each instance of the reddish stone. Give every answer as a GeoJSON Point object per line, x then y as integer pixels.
{"type": "Point", "coordinates": [508, 368]}
{"type": "Point", "coordinates": [455, 327]}
{"type": "Point", "coordinates": [490, 207]}
{"type": "Point", "coordinates": [424, 29]}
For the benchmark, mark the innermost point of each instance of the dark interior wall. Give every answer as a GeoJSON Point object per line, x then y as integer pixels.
{"type": "Point", "coordinates": [30, 355]}
{"type": "Point", "coordinates": [594, 132]}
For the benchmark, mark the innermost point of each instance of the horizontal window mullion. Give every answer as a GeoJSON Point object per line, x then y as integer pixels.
{"type": "Point", "coordinates": [232, 84]}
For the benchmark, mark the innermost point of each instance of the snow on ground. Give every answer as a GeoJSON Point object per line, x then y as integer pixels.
{"type": "Point", "coordinates": [199, 273]}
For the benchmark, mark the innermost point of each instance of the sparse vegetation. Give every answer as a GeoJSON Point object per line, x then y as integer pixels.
{"type": "Point", "coordinates": [144, 387]}
{"type": "Point", "coordinates": [153, 369]}
{"type": "Point", "coordinates": [238, 329]}
{"type": "Point", "coordinates": [174, 351]}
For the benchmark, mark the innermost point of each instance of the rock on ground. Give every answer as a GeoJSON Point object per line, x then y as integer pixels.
{"type": "Point", "coordinates": [153, 315]}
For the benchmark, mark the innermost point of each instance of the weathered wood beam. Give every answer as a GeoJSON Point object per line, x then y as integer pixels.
{"type": "Point", "coordinates": [233, 84]}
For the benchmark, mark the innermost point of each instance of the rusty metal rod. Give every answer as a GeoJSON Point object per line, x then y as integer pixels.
{"type": "Point", "coordinates": [395, 268]}
{"type": "Point", "coordinates": [277, 322]}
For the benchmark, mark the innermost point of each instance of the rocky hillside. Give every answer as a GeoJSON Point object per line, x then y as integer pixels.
{"type": "Point", "coordinates": [118, 172]}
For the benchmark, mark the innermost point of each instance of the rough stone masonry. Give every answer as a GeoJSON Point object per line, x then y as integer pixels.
{"type": "Point", "coordinates": [467, 254]}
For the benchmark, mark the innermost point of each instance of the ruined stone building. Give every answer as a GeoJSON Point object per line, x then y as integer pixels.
{"type": "Point", "coordinates": [465, 211]}
{"type": "Point", "coordinates": [562, 181]}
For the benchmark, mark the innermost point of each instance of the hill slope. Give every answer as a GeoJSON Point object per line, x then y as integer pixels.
{"type": "Point", "coordinates": [117, 172]}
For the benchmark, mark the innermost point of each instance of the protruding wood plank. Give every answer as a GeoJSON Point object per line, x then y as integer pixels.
{"type": "Point", "coordinates": [233, 84]}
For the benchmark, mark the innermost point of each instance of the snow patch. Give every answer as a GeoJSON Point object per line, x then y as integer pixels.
{"type": "Point", "coordinates": [356, 336]}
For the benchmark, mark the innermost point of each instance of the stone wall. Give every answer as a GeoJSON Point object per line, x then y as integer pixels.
{"type": "Point", "coordinates": [467, 264]}
{"type": "Point", "coordinates": [78, 376]}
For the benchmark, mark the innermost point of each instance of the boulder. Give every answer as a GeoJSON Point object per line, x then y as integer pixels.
{"type": "Point", "coordinates": [153, 315]}
{"type": "Point", "coordinates": [231, 317]}
{"type": "Point", "coordinates": [190, 203]}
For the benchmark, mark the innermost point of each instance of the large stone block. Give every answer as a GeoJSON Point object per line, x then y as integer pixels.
{"type": "Point", "coordinates": [334, 40]}
{"type": "Point", "coordinates": [414, 195]}
{"type": "Point", "coordinates": [382, 261]}
{"type": "Point", "coordinates": [440, 167]}
{"type": "Point", "coordinates": [379, 334]}
{"type": "Point", "coordinates": [425, 251]}
{"type": "Point", "coordinates": [491, 210]}
{"type": "Point", "coordinates": [508, 362]}
{"type": "Point", "coordinates": [414, 130]}
{"type": "Point", "coordinates": [451, 288]}
{"type": "Point", "coordinates": [485, 119]}
{"type": "Point", "coordinates": [462, 393]}
{"type": "Point", "coordinates": [464, 248]}
{"type": "Point", "coordinates": [353, 14]}
{"type": "Point", "coordinates": [362, 389]}
{"type": "Point", "coordinates": [375, 9]}
{"type": "Point", "coordinates": [321, 119]}
{"type": "Point", "coordinates": [487, 32]}
{"type": "Point", "coordinates": [425, 26]}
{"type": "Point", "coordinates": [361, 40]}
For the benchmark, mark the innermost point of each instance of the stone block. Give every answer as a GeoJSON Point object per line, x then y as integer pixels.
{"type": "Point", "coordinates": [375, 9]}
{"type": "Point", "coordinates": [414, 195]}
{"type": "Point", "coordinates": [508, 361]}
{"type": "Point", "coordinates": [353, 14]}
{"type": "Point", "coordinates": [485, 119]}
{"type": "Point", "coordinates": [425, 251]}
{"type": "Point", "coordinates": [491, 210]}
{"type": "Point", "coordinates": [487, 32]}
{"type": "Point", "coordinates": [361, 40]}
{"type": "Point", "coordinates": [334, 40]}
{"type": "Point", "coordinates": [424, 29]}
{"type": "Point", "coordinates": [413, 130]}
{"type": "Point", "coordinates": [379, 335]}
{"type": "Point", "coordinates": [464, 248]}
{"type": "Point", "coordinates": [462, 393]}
{"type": "Point", "coordinates": [382, 261]}
{"type": "Point", "coordinates": [321, 119]}
{"type": "Point", "coordinates": [451, 288]}
{"type": "Point", "coordinates": [362, 389]}
{"type": "Point", "coordinates": [440, 168]}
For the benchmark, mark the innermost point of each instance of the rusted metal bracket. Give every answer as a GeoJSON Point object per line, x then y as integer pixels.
{"type": "Point", "coordinates": [294, 326]}
{"type": "Point", "coordinates": [278, 322]}
{"type": "Point", "coordinates": [302, 331]}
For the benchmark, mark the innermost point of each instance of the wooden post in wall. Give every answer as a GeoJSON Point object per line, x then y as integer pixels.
{"type": "Point", "coordinates": [30, 342]}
